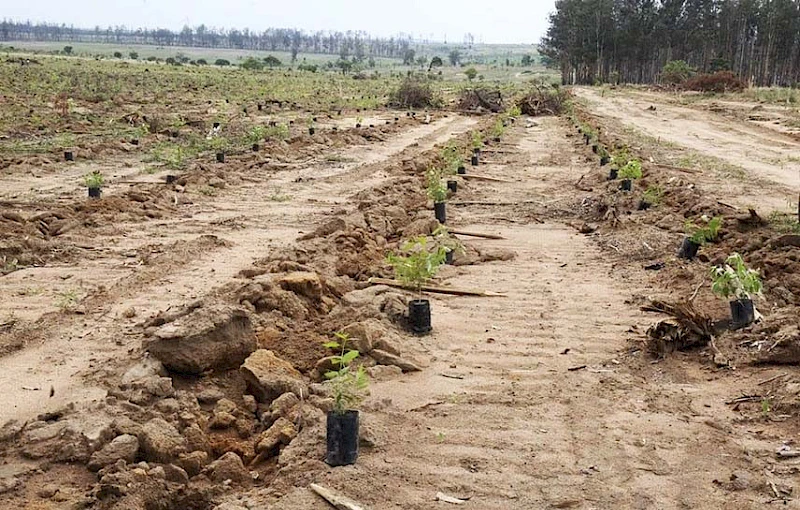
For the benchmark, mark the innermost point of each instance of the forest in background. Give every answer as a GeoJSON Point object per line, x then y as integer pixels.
{"type": "Point", "coordinates": [349, 44]}
{"type": "Point", "coordinates": [630, 41]}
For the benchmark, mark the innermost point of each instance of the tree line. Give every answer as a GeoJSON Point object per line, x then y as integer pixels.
{"type": "Point", "coordinates": [631, 41]}
{"type": "Point", "coordinates": [356, 45]}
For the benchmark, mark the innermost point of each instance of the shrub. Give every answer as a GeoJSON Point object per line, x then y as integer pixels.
{"type": "Point", "coordinates": [723, 81]}
{"type": "Point", "coordinates": [413, 93]}
{"type": "Point", "coordinates": [67, 50]}
{"type": "Point", "coordinates": [271, 61]}
{"type": "Point", "coordinates": [471, 73]}
{"type": "Point", "coordinates": [632, 170]}
{"type": "Point", "coordinates": [117, 54]}
{"type": "Point", "coordinates": [222, 62]}
{"type": "Point", "coordinates": [252, 64]}
{"type": "Point", "coordinates": [676, 72]}
{"type": "Point", "coordinates": [133, 55]}
{"type": "Point", "coordinates": [202, 62]}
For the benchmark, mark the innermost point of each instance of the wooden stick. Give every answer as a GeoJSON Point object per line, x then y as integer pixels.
{"type": "Point", "coordinates": [475, 234]}
{"type": "Point", "coordinates": [483, 202]}
{"type": "Point", "coordinates": [336, 500]}
{"type": "Point", "coordinates": [438, 290]}
{"type": "Point", "coordinates": [720, 202]}
{"type": "Point", "coordinates": [479, 177]}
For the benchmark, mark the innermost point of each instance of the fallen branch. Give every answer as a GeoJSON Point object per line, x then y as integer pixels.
{"type": "Point", "coordinates": [437, 290]}
{"type": "Point", "coordinates": [476, 234]}
{"type": "Point", "coordinates": [336, 500]}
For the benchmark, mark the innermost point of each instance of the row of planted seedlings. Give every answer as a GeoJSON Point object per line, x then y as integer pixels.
{"type": "Point", "coordinates": [415, 264]}
{"type": "Point", "coordinates": [733, 280]}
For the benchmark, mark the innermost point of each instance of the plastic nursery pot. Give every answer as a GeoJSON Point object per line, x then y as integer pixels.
{"type": "Point", "coordinates": [644, 205]}
{"type": "Point", "coordinates": [604, 161]}
{"type": "Point", "coordinates": [216, 125]}
{"type": "Point", "coordinates": [419, 316]}
{"type": "Point", "coordinates": [134, 142]}
{"type": "Point", "coordinates": [586, 139]}
{"type": "Point", "coordinates": [462, 170]}
{"type": "Point", "coordinates": [626, 185]}
{"type": "Point", "coordinates": [358, 125]}
{"type": "Point", "coordinates": [94, 192]}
{"type": "Point", "coordinates": [260, 107]}
{"type": "Point", "coordinates": [440, 210]}
{"type": "Point", "coordinates": [476, 150]}
{"type": "Point", "coordinates": [448, 258]}
{"type": "Point", "coordinates": [452, 186]}
{"type": "Point", "coordinates": [688, 249]}
{"type": "Point", "coordinates": [220, 157]}
{"type": "Point", "coordinates": [612, 174]}
{"type": "Point", "coordinates": [69, 156]}
{"type": "Point", "coordinates": [594, 148]}
{"type": "Point", "coordinates": [497, 139]}
{"type": "Point", "coordinates": [256, 147]}
{"type": "Point", "coordinates": [311, 131]}
{"type": "Point", "coordinates": [474, 160]}
{"type": "Point", "coordinates": [342, 431]}
{"type": "Point", "coordinates": [171, 179]}
{"type": "Point", "coordinates": [742, 312]}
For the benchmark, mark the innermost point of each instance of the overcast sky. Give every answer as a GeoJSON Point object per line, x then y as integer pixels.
{"type": "Point", "coordinates": [493, 21]}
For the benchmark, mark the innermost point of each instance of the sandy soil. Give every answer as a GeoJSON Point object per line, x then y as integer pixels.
{"type": "Point", "coordinates": [770, 159]}
{"type": "Point", "coordinates": [246, 223]}
{"type": "Point", "coordinates": [543, 398]}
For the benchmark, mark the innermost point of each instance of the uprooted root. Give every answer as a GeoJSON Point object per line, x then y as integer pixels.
{"type": "Point", "coordinates": [687, 329]}
{"type": "Point", "coordinates": [544, 101]}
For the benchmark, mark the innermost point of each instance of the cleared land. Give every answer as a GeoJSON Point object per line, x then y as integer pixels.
{"type": "Point", "coordinates": [550, 396]}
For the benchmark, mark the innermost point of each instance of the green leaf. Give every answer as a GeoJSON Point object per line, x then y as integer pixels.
{"type": "Point", "coordinates": [349, 357]}
{"type": "Point", "coordinates": [331, 345]}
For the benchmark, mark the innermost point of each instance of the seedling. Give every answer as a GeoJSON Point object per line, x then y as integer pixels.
{"type": "Point", "coordinates": [256, 134]}
{"type": "Point", "coordinates": [93, 180]}
{"type": "Point", "coordinates": [736, 280]}
{"type": "Point", "coordinates": [700, 235]}
{"type": "Point", "coordinates": [653, 194]}
{"type": "Point", "coordinates": [417, 263]}
{"type": "Point", "coordinates": [437, 190]}
{"type": "Point", "coordinates": [477, 140]}
{"type": "Point", "coordinates": [498, 129]}
{"type": "Point", "coordinates": [218, 143]}
{"type": "Point", "coordinates": [348, 386]}
{"type": "Point", "coordinates": [67, 301]}
{"type": "Point", "coordinates": [632, 170]}
{"type": "Point", "coordinates": [450, 243]}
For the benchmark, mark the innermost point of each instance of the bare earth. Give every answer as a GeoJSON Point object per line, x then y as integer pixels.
{"type": "Point", "coordinates": [539, 399]}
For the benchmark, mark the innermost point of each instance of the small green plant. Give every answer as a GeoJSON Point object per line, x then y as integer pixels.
{"type": "Point", "coordinates": [621, 157]}
{"type": "Point", "coordinates": [208, 191]}
{"type": "Point", "coordinates": [8, 265]}
{"type": "Point", "coordinates": [256, 134]}
{"type": "Point", "coordinates": [348, 386]}
{"type": "Point", "coordinates": [477, 140]}
{"type": "Point", "coordinates": [514, 112]}
{"type": "Point", "coordinates": [417, 263]}
{"type": "Point", "coordinates": [359, 120]}
{"type": "Point", "coordinates": [784, 223]}
{"type": "Point", "coordinates": [653, 194]}
{"type": "Point", "coordinates": [450, 243]}
{"type": "Point", "coordinates": [498, 129]}
{"type": "Point", "coordinates": [279, 131]}
{"type": "Point", "coordinates": [701, 234]}
{"type": "Point", "coordinates": [452, 158]}
{"type": "Point", "coordinates": [735, 279]}
{"type": "Point", "coordinates": [440, 437]}
{"type": "Point", "coordinates": [278, 196]}
{"type": "Point", "coordinates": [632, 170]}
{"type": "Point", "coordinates": [766, 406]}
{"type": "Point", "coordinates": [67, 300]}
{"type": "Point", "coordinates": [218, 143]}
{"type": "Point", "coordinates": [437, 190]}
{"type": "Point", "coordinates": [93, 180]}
